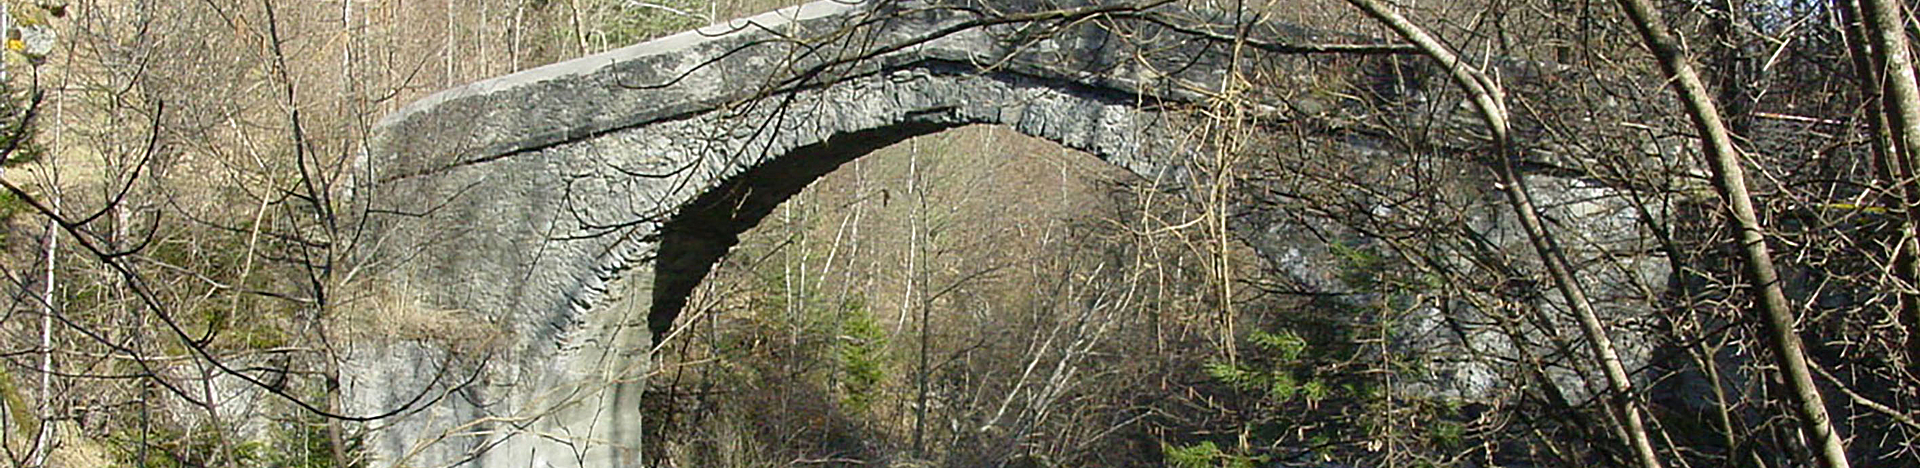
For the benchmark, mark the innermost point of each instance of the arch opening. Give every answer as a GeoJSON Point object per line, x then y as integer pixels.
{"type": "Point", "coordinates": [1025, 233]}
{"type": "Point", "coordinates": [707, 227]}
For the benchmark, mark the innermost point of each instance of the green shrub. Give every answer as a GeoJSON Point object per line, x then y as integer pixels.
{"type": "Point", "coordinates": [162, 447]}
{"type": "Point", "coordinates": [1203, 455]}
{"type": "Point", "coordinates": [16, 139]}
{"type": "Point", "coordinates": [860, 357]}
{"type": "Point", "coordinates": [10, 206]}
{"type": "Point", "coordinates": [1286, 345]}
{"type": "Point", "coordinates": [1447, 434]}
{"type": "Point", "coordinates": [1360, 268]}
{"type": "Point", "coordinates": [306, 445]}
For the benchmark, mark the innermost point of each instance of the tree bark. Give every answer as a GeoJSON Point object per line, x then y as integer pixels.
{"type": "Point", "coordinates": [1898, 99]}
{"type": "Point", "coordinates": [1489, 99]}
{"type": "Point", "coordinates": [1729, 179]}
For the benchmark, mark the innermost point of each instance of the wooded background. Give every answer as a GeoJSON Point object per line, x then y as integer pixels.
{"type": "Point", "coordinates": [173, 214]}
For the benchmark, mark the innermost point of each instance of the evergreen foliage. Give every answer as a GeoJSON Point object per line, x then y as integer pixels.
{"type": "Point", "coordinates": [1204, 454]}
{"type": "Point", "coordinates": [860, 357]}
{"type": "Point", "coordinates": [17, 126]}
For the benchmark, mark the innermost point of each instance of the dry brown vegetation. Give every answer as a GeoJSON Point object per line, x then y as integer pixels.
{"type": "Point", "coordinates": [977, 297]}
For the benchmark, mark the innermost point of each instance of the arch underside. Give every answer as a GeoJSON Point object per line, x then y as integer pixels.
{"type": "Point", "coordinates": [919, 101]}
{"type": "Point", "coordinates": [576, 207]}
{"type": "Point", "coordinates": [586, 248]}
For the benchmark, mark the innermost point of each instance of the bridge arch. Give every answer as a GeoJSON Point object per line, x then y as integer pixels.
{"type": "Point", "coordinates": [1099, 122]}
{"type": "Point", "coordinates": [575, 206]}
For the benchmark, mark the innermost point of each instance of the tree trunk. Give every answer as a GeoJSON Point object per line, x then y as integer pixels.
{"type": "Point", "coordinates": [1729, 179]}
{"type": "Point", "coordinates": [1899, 101]}
{"type": "Point", "coordinates": [1489, 100]}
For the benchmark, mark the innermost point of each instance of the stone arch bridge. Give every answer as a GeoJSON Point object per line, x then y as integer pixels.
{"type": "Point", "coordinates": [570, 209]}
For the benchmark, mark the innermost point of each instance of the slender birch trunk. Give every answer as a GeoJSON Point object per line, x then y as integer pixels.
{"type": "Point", "coordinates": [1889, 166]}
{"type": "Point", "coordinates": [1730, 180]}
{"type": "Point", "coordinates": [43, 440]}
{"type": "Point", "coordinates": [1489, 100]}
{"type": "Point", "coordinates": [1899, 101]}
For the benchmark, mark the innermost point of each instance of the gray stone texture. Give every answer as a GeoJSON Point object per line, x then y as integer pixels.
{"type": "Point", "coordinates": [576, 205]}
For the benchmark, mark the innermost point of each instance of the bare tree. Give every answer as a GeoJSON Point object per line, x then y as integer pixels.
{"type": "Point", "coordinates": [1489, 100]}
{"type": "Point", "coordinates": [1729, 180]}
{"type": "Point", "coordinates": [1887, 78]}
